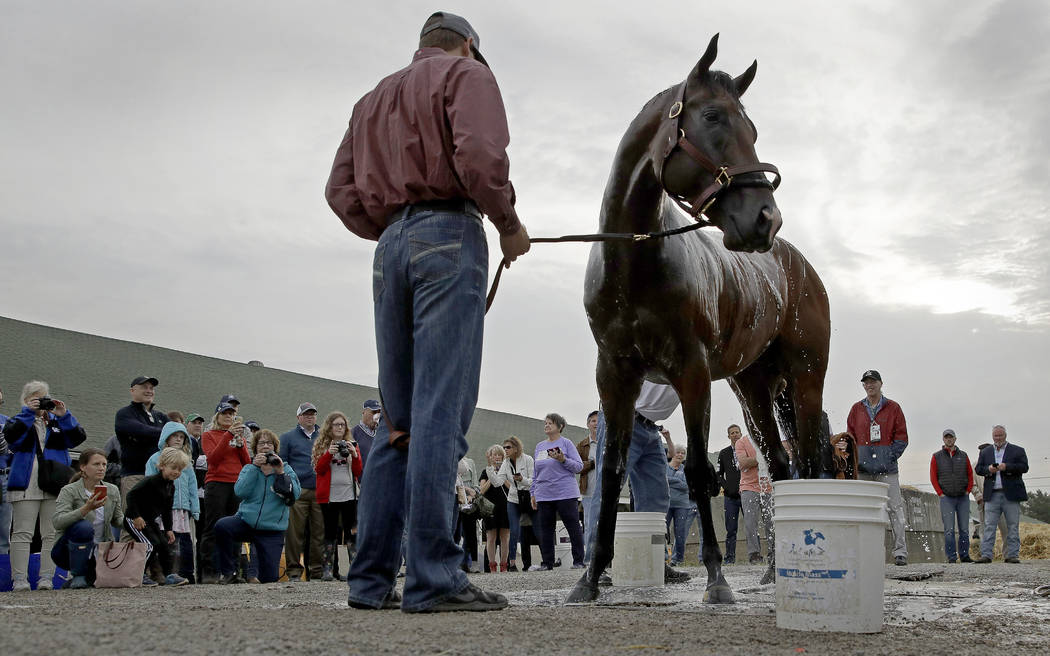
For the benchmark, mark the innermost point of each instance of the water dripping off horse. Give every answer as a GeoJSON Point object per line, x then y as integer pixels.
{"type": "Point", "coordinates": [686, 310]}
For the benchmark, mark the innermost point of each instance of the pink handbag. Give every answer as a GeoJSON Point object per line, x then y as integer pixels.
{"type": "Point", "coordinates": [120, 565]}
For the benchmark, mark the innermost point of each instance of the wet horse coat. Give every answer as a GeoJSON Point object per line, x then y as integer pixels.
{"type": "Point", "coordinates": [685, 310]}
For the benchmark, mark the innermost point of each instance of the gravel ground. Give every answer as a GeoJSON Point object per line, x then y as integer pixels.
{"type": "Point", "coordinates": [958, 609]}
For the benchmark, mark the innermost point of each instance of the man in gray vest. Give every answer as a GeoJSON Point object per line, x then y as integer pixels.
{"type": "Point", "coordinates": [952, 478]}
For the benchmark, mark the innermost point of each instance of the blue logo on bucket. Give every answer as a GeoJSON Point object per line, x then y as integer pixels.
{"type": "Point", "coordinates": [811, 540]}
{"type": "Point", "coordinates": [812, 573]}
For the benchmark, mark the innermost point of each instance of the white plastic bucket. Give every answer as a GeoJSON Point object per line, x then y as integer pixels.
{"type": "Point", "coordinates": [638, 549]}
{"type": "Point", "coordinates": [830, 554]}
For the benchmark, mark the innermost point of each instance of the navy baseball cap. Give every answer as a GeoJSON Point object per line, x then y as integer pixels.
{"type": "Point", "coordinates": [223, 407]}
{"type": "Point", "coordinates": [457, 24]}
{"type": "Point", "coordinates": [371, 404]}
{"type": "Point", "coordinates": [870, 373]}
{"type": "Point", "coordinates": [252, 425]}
{"type": "Point", "coordinates": [229, 398]}
{"type": "Point", "coordinates": [145, 379]}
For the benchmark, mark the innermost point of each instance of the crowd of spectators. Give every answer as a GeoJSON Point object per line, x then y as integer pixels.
{"type": "Point", "coordinates": [222, 500]}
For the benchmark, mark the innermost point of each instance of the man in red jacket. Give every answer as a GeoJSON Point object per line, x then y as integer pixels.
{"type": "Point", "coordinates": [877, 423]}
{"type": "Point", "coordinates": [952, 478]}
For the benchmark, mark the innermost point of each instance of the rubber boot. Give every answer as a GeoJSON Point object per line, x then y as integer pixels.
{"type": "Point", "coordinates": [326, 561]}
{"type": "Point", "coordinates": [79, 560]}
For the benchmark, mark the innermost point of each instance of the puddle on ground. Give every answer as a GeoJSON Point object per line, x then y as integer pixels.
{"type": "Point", "coordinates": [906, 603]}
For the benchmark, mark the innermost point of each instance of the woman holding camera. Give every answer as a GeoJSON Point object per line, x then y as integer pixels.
{"type": "Point", "coordinates": [226, 448]}
{"type": "Point", "coordinates": [86, 512]}
{"type": "Point", "coordinates": [555, 491]}
{"type": "Point", "coordinates": [39, 438]}
{"type": "Point", "coordinates": [337, 463]}
{"type": "Point", "coordinates": [267, 488]}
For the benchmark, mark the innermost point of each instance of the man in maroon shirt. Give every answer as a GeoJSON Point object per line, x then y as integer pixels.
{"type": "Point", "coordinates": [424, 158]}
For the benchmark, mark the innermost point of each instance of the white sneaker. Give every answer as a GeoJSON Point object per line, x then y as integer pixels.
{"type": "Point", "coordinates": [19, 586]}
{"type": "Point", "coordinates": [44, 584]}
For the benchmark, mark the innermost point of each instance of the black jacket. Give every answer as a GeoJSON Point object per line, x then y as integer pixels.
{"type": "Point", "coordinates": [728, 474]}
{"type": "Point", "coordinates": [1016, 461]}
{"type": "Point", "coordinates": [152, 497]}
{"type": "Point", "coordinates": [138, 431]}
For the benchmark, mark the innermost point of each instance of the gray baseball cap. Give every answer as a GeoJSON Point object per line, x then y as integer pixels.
{"type": "Point", "coordinates": [457, 24]}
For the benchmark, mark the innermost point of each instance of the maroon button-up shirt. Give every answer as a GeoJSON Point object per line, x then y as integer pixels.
{"type": "Point", "coordinates": [434, 130]}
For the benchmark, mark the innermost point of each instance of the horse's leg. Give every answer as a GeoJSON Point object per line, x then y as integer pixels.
{"type": "Point", "coordinates": [802, 401]}
{"type": "Point", "coordinates": [618, 386]}
{"type": "Point", "coordinates": [694, 390]}
{"type": "Point", "coordinates": [754, 388]}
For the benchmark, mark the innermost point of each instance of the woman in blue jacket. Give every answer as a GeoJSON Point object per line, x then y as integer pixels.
{"type": "Point", "coordinates": [44, 430]}
{"type": "Point", "coordinates": [267, 487]}
{"type": "Point", "coordinates": [186, 505]}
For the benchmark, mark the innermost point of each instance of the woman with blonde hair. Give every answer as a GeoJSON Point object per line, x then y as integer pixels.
{"type": "Point", "coordinates": [226, 448]}
{"type": "Point", "coordinates": [517, 470]}
{"type": "Point", "coordinates": [337, 463]}
{"type": "Point", "coordinates": [498, 524]}
{"type": "Point", "coordinates": [39, 438]}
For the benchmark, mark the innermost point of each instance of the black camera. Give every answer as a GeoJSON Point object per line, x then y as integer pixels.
{"type": "Point", "coordinates": [272, 459]}
{"type": "Point", "coordinates": [46, 403]}
{"type": "Point", "coordinates": [344, 449]}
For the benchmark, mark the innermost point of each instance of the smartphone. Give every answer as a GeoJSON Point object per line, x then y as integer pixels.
{"type": "Point", "coordinates": [100, 491]}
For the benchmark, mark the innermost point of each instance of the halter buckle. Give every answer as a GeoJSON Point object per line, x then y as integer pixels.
{"type": "Point", "coordinates": [676, 109]}
{"type": "Point", "coordinates": [723, 178]}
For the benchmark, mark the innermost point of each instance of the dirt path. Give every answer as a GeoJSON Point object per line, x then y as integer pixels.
{"type": "Point", "coordinates": [959, 610]}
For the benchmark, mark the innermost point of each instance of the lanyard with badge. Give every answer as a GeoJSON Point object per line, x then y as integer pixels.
{"type": "Point", "coordinates": [875, 431]}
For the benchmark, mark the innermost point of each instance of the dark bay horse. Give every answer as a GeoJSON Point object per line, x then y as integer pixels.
{"type": "Point", "coordinates": [684, 310]}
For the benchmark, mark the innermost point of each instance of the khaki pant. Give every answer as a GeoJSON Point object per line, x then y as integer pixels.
{"type": "Point", "coordinates": [127, 482]}
{"type": "Point", "coordinates": [25, 515]}
{"type": "Point", "coordinates": [895, 508]}
{"type": "Point", "coordinates": [306, 509]}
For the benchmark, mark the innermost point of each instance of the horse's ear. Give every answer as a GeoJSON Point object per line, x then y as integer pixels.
{"type": "Point", "coordinates": [742, 82]}
{"type": "Point", "coordinates": [704, 65]}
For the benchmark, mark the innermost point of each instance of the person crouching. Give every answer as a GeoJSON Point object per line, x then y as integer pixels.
{"type": "Point", "coordinates": [149, 501]}
{"type": "Point", "coordinates": [86, 511]}
{"type": "Point", "coordinates": [186, 507]}
{"type": "Point", "coordinates": [267, 487]}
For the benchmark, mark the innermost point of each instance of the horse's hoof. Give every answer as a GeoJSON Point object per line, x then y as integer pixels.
{"type": "Point", "coordinates": [584, 591]}
{"type": "Point", "coordinates": [719, 593]}
{"type": "Point", "coordinates": [769, 577]}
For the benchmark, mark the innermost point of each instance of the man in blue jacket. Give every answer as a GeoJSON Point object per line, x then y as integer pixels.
{"type": "Point", "coordinates": [297, 450]}
{"type": "Point", "coordinates": [1003, 466]}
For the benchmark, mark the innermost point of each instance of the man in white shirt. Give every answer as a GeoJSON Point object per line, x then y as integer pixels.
{"type": "Point", "coordinates": [646, 459]}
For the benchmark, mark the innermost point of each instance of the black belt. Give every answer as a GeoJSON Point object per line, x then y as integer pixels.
{"type": "Point", "coordinates": [645, 421]}
{"type": "Point", "coordinates": [457, 205]}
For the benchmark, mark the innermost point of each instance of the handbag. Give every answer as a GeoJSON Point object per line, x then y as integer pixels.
{"type": "Point", "coordinates": [479, 507]}
{"type": "Point", "coordinates": [120, 565]}
{"type": "Point", "coordinates": [52, 475]}
{"type": "Point", "coordinates": [524, 497]}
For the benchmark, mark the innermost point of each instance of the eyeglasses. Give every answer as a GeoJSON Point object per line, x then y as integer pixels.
{"type": "Point", "coordinates": [508, 446]}
{"type": "Point", "coordinates": [338, 424]}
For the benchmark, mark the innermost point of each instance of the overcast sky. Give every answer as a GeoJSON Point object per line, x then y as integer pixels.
{"type": "Point", "coordinates": [162, 168]}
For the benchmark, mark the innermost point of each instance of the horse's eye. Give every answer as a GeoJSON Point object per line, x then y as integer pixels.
{"type": "Point", "coordinates": [711, 115]}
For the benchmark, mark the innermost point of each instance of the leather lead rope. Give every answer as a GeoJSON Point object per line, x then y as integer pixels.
{"type": "Point", "coordinates": [598, 236]}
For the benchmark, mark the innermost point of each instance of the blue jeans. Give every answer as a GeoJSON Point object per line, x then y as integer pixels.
{"type": "Point", "coordinates": [5, 516]}
{"type": "Point", "coordinates": [955, 511]}
{"type": "Point", "coordinates": [428, 284]}
{"type": "Point", "coordinates": [683, 519]}
{"type": "Point", "coordinates": [232, 531]}
{"type": "Point", "coordinates": [646, 468]}
{"type": "Point", "coordinates": [995, 505]}
{"type": "Point", "coordinates": [514, 518]}
{"type": "Point", "coordinates": [732, 510]}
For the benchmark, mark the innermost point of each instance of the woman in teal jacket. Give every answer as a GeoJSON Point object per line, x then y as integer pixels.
{"type": "Point", "coordinates": [186, 505]}
{"type": "Point", "coordinates": [267, 488]}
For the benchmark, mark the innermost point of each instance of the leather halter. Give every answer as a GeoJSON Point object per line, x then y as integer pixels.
{"type": "Point", "coordinates": [671, 135]}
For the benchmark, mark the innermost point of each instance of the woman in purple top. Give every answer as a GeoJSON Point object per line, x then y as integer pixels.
{"type": "Point", "coordinates": [554, 490]}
